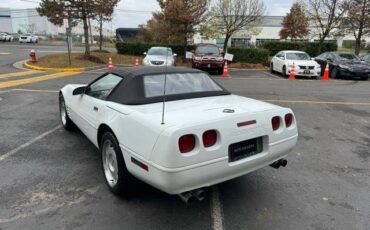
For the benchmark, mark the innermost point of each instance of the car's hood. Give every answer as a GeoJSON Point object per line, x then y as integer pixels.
{"type": "Point", "coordinates": [200, 110]}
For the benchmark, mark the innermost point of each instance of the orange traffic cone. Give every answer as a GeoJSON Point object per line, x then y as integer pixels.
{"type": "Point", "coordinates": [226, 71]}
{"type": "Point", "coordinates": [110, 65]}
{"type": "Point", "coordinates": [137, 63]}
{"type": "Point", "coordinates": [292, 73]}
{"type": "Point", "coordinates": [326, 73]}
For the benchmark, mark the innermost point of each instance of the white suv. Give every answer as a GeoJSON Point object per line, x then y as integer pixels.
{"type": "Point", "coordinates": [29, 38]}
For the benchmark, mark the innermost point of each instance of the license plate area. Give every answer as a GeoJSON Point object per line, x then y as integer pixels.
{"type": "Point", "coordinates": [307, 71]}
{"type": "Point", "coordinates": [244, 149]}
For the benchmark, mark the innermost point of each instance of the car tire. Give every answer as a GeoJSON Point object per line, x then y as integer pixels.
{"type": "Point", "coordinates": [283, 71]}
{"type": "Point", "coordinates": [118, 179]}
{"type": "Point", "coordinates": [364, 78]}
{"type": "Point", "coordinates": [334, 73]}
{"type": "Point", "coordinates": [66, 121]}
{"type": "Point", "coordinates": [220, 71]}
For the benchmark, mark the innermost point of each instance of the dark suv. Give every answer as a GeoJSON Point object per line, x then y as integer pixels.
{"type": "Point", "coordinates": [208, 57]}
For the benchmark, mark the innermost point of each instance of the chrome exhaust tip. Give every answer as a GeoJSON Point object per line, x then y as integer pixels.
{"type": "Point", "coordinates": [199, 194]}
{"type": "Point", "coordinates": [282, 162]}
{"type": "Point", "coordinates": [187, 197]}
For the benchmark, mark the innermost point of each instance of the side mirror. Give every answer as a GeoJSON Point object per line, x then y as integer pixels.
{"type": "Point", "coordinates": [175, 55]}
{"type": "Point", "coordinates": [79, 90]}
{"type": "Point", "coordinates": [282, 58]}
{"type": "Point", "coordinates": [329, 60]}
{"type": "Point", "coordinates": [144, 53]}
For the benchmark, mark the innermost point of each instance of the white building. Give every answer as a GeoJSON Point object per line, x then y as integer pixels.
{"type": "Point", "coordinates": [29, 21]}
{"type": "Point", "coordinates": [268, 30]}
{"type": "Point", "coordinates": [26, 21]}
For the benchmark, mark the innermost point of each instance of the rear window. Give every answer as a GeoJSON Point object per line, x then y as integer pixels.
{"type": "Point", "coordinates": [180, 83]}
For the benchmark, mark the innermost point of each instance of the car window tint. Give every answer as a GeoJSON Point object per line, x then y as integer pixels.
{"type": "Point", "coordinates": [102, 87]}
{"type": "Point", "coordinates": [160, 51]}
{"type": "Point", "coordinates": [208, 50]}
{"type": "Point", "coordinates": [348, 57]}
{"type": "Point", "coordinates": [323, 56]}
{"type": "Point", "coordinates": [179, 84]}
{"type": "Point", "coordinates": [330, 56]}
{"type": "Point", "coordinates": [297, 56]}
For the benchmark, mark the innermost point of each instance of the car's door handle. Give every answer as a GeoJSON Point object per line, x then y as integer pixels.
{"type": "Point", "coordinates": [96, 108]}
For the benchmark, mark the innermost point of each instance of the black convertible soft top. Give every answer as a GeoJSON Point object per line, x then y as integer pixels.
{"type": "Point", "coordinates": [130, 91]}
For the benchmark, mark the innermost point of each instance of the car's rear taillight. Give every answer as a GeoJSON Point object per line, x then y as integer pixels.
{"type": "Point", "coordinates": [288, 120]}
{"type": "Point", "coordinates": [275, 122]}
{"type": "Point", "coordinates": [209, 138]}
{"type": "Point", "coordinates": [186, 143]}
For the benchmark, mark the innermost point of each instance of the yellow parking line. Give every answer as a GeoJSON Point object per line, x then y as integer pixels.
{"type": "Point", "coordinates": [36, 90]}
{"type": "Point", "coordinates": [8, 84]}
{"type": "Point", "coordinates": [19, 74]}
{"type": "Point", "coordinates": [4, 53]}
{"type": "Point", "coordinates": [317, 102]}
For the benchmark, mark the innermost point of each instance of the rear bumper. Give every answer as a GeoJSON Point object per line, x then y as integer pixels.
{"type": "Point", "coordinates": [205, 174]}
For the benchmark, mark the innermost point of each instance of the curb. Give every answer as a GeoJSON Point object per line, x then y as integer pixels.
{"type": "Point", "coordinates": [22, 64]}
{"type": "Point", "coordinates": [25, 64]}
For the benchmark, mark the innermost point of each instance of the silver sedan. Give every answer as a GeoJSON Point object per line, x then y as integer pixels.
{"type": "Point", "coordinates": [159, 56]}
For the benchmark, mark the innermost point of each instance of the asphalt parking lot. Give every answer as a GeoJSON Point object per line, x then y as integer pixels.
{"type": "Point", "coordinates": [51, 178]}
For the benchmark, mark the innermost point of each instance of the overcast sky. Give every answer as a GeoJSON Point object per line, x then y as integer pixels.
{"type": "Point", "coordinates": [128, 19]}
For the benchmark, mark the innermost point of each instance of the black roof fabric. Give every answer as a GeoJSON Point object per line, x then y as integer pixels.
{"type": "Point", "coordinates": [130, 91]}
{"type": "Point", "coordinates": [150, 70]}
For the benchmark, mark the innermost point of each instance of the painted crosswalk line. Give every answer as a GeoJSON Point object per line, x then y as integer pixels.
{"type": "Point", "coordinates": [19, 74]}
{"type": "Point", "coordinates": [31, 80]}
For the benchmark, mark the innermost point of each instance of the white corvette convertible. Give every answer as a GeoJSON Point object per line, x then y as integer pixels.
{"type": "Point", "coordinates": [205, 136]}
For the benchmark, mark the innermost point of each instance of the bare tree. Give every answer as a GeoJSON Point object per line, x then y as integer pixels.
{"type": "Point", "coordinates": [326, 16]}
{"type": "Point", "coordinates": [231, 16]}
{"type": "Point", "coordinates": [105, 11]}
{"type": "Point", "coordinates": [357, 20]}
{"type": "Point", "coordinates": [58, 10]}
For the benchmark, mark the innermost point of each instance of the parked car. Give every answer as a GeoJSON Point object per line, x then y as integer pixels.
{"type": "Point", "coordinates": [159, 56]}
{"type": "Point", "coordinates": [344, 65]}
{"type": "Point", "coordinates": [6, 37]}
{"type": "Point", "coordinates": [28, 38]}
{"type": "Point", "coordinates": [201, 136]}
{"type": "Point", "coordinates": [283, 62]}
{"type": "Point", "coordinates": [208, 57]}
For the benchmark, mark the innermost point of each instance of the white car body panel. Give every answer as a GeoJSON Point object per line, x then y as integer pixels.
{"type": "Point", "coordinates": [300, 65]}
{"type": "Point", "coordinates": [141, 135]}
{"type": "Point", "coordinates": [28, 38]}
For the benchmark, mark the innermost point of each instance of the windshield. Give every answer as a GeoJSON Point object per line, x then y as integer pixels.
{"type": "Point", "coordinates": [179, 83]}
{"type": "Point", "coordinates": [350, 57]}
{"type": "Point", "coordinates": [297, 56]}
{"type": "Point", "coordinates": [208, 50]}
{"type": "Point", "coordinates": [160, 51]}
